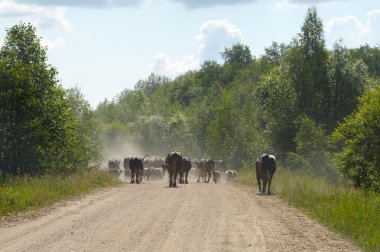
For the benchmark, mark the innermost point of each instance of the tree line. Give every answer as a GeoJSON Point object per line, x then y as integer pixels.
{"type": "Point", "coordinates": [316, 109]}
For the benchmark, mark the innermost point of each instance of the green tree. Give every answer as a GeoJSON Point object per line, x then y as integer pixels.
{"type": "Point", "coordinates": [151, 84]}
{"type": "Point", "coordinates": [278, 111]}
{"type": "Point", "coordinates": [88, 128]}
{"type": "Point", "coordinates": [130, 104]}
{"type": "Point", "coordinates": [347, 79]}
{"type": "Point", "coordinates": [38, 131]}
{"type": "Point", "coordinates": [311, 146]}
{"type": "Point", "coordinates": [307, 59]}
{"type": "Point", "coordinates": [370, 56]}
{"type": "Point", "coordinates": [359, 158]}
{"type": "Point", "coordinates": [239, 54]}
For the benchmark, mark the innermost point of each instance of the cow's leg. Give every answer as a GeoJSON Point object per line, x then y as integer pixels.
{"type": "Point", "coordinates": [170, 179]}
{"type": "Point", "coordinates": [269, 183]}
{"type": "Point", "coordinates": [258, 181]}
{"type": "Point", "coordinates": [132, 176]}
{"type": "Point", "coordinates": [209, 176]}
{"type": "Point", "coordinates": [199, 175]}
{"type": "Point", "coordinates": [187, 173]}
{"type": "Point", "coordinates": [180, 178]}
{"type": "Point", "coordinates": [138, 176]}
{"type": "Point", "coordinates": [175, 179]}
{"type": "Point", "coordinates": [265, 181]}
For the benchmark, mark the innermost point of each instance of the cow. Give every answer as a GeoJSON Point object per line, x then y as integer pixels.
{"type": "Point", "coordinates": [184, 172]}
{"type": "Point", "coordinates": [158, 173]}
{"type": "Point", "coordinates": [114, 168]}
{"type": "Point", "coordinates": [149, 173]}
{"type": "Point", "coordinates": [265, 169]}
{"type": "Point", "coordinates": [173, 163]}
{"type": "Point", "coordinates": [136, 166]}
{"type": "Point", "coordinates": [216, 176]}
{"type": "Point", "coordinates": [154, 161]}
{"type": "Point", "coordinates": [205, 167]}
{"type": "Point", "coordinates": [230, 175]}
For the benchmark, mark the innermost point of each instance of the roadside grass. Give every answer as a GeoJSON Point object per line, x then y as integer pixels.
{"type": "Point", "coordinates": [353, 213]}
{"type": "Point", "coordinates": [27, 193]}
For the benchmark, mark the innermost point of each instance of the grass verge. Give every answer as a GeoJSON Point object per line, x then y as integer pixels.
{"type": "Point", "coordinates": [27, 193]}
{"type": "Point", "coordinates": [352, 213]}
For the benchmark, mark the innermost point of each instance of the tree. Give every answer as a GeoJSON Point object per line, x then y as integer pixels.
{"type": "Point", "coordinates": [277, 102]}
{"type": "Point", "coordinates": [307, 59]}
{"type": "Point", "coordinates": [274, 53]}
{"type": "Point", "coordinates": [311, 145]}
{"type": "Point", "coordinates": [151, 84]}
{"type": "Point", "coordinates": [239, 54]}
{"type": "Point", "coordinates": [88, 127]}
{"type": "Point", "coordinates": [359, 158]}
{"type": "Point", "coordinates": [370, 56]}
{"type": "Point", "coordinates": [38, 131]}
{"type": "Point", "coordinates": [347, 79]}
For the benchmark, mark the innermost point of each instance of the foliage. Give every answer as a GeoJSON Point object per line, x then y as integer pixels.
{"type": "Point", "coordinates": [360, 133]}
{"type": "Point", "coordinates": [347, 80]}
{"type": "Point", "coordinates": [38, 131]}
{"type": "Point", "coordinates": [311, 153]}
{"type": "Point", "coordinates": [239, 54]}
{"type": "Point", "coordinates": [151, 84]}
{"type": "Point", "coordinates": [352, 213]}
{"type": "Point", "coordinates": [24, 193]}
{"type": "Point", "coordinates": [370, 56]}
{"type": "Point", "coordinates": [89, 132]}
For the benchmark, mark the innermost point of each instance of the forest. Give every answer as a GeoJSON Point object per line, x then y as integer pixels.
{"type": "Point", "coordinates": [316, 109]}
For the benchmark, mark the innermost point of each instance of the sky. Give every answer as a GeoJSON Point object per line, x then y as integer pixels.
{"type": "Point", "coordinates": [106, 46]}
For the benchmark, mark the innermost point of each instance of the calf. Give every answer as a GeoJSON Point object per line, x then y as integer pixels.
{"type": "Point", "coordinates": [114, 168]}
{"type": "Point", "coordinates": [230, 175]}
{"type": "Point", "coordinates": [265, 169]}
{"type": "Point", "coordinates": [216, 176]}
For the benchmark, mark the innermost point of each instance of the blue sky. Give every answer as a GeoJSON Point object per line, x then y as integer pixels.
{"type": "Point", "coordinates": [105, 46]}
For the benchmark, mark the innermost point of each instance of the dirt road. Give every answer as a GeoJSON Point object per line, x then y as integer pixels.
{"type": "Point", "coordinates": [153, 217]}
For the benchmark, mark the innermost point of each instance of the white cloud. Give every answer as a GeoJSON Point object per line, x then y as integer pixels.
{"type": "Point", "coordinates": [352, 31]}
{"type": "Point", "coordinates": [45, 17]}
{"type": "Point", "coordinates": [213, 37]}
{"type": "Point", "coordinates": [373, 25]}
{"type": "Point", "coordinates": [166, 66]}
{"type": "Point", "coordinates": [52, 44]}
{"type": "Point", "coordinates": [349, 28]}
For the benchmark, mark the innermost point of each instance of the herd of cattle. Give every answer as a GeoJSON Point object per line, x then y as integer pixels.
{"type": "Point", "coordinates": [179, 167]}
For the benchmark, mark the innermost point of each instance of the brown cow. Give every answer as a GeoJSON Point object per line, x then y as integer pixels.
{"type": "Point", "coordinates": [205, 167]}
{"type": "Point", "coordinates": [265, 169]}
{"type": "Point", "coordinates": [184, 172]}
{"type": "Point", "coordinates": [173, 163]}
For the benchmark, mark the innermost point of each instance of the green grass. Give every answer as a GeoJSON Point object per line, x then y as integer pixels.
{"type": "Point", "coordinates": [353, 213]}
{"type": "Point", "coordinates": [27, 193]}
